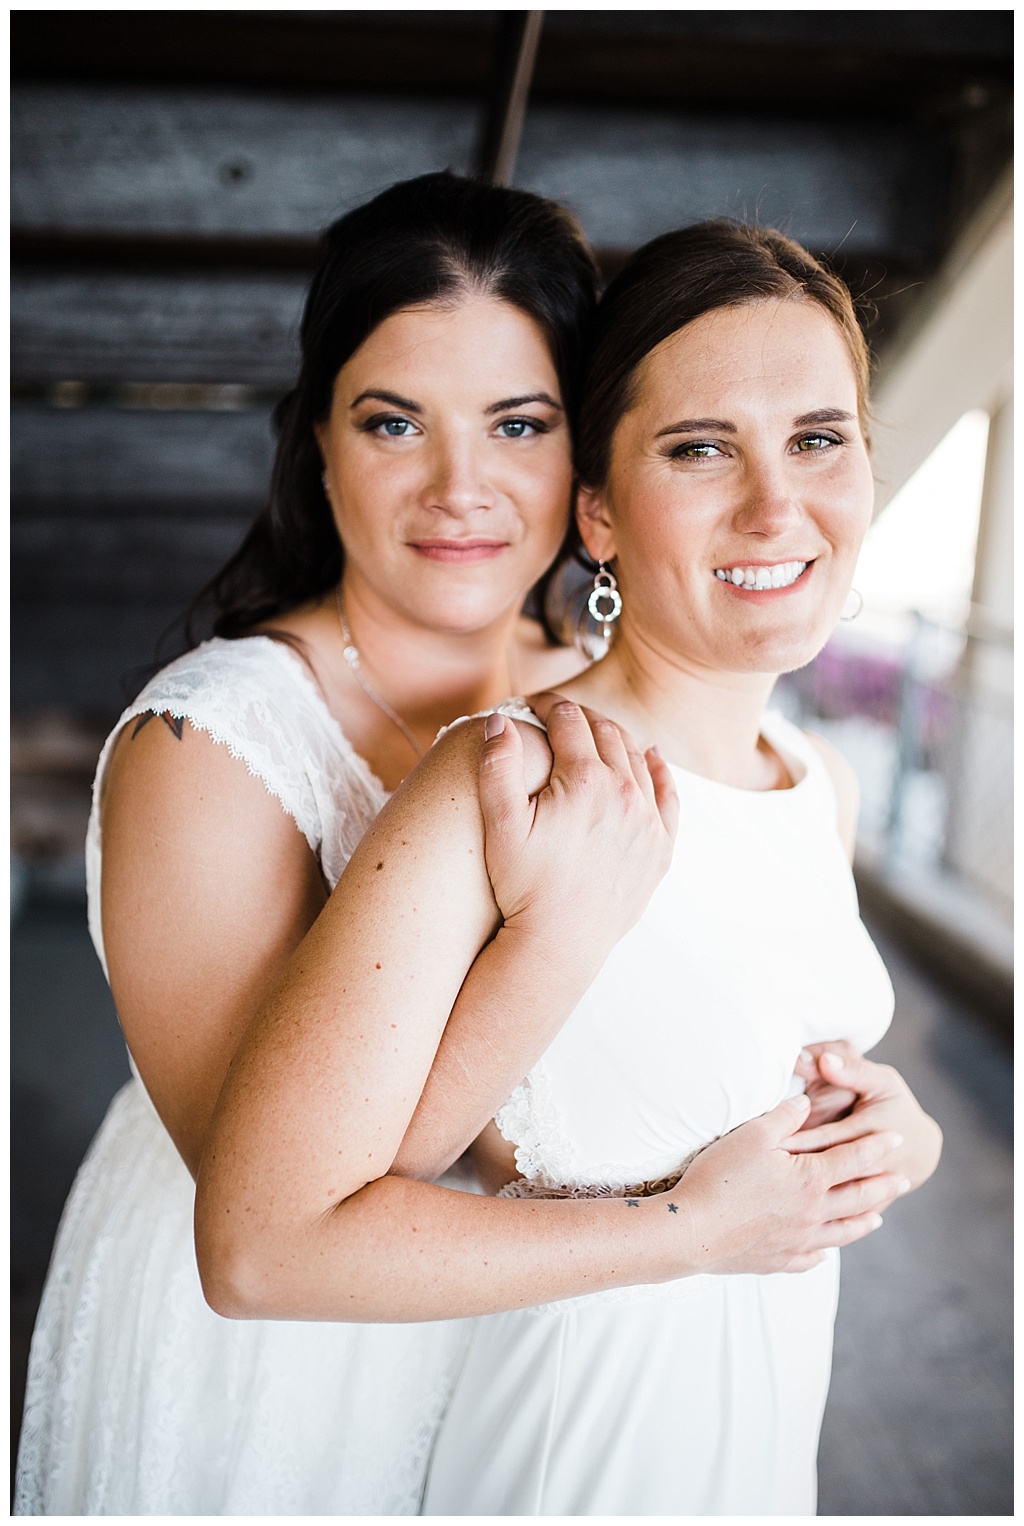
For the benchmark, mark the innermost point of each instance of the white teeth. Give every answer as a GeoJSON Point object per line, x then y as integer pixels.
{"type": "Point", "coordinates": [779, 576]}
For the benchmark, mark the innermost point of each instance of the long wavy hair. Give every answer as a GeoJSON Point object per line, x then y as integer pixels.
{"type": "Point", "coordinates": [423, 240]}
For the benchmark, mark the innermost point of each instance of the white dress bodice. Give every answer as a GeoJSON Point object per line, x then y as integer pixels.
{"type": "Point", "coordinates": [751, 947]}
{"type": "Point", "coordinates": [704, 1395]}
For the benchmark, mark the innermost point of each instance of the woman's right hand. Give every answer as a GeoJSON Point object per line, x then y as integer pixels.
{"type": "Point", "coordinates": [574, 865]}
{"type": "Point", "coordinates": [751, 1206]}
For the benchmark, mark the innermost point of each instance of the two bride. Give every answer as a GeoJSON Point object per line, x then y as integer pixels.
{"type": "Point", "coordinates": [319, 1046]}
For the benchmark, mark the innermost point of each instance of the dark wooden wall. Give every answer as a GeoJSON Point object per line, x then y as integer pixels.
{"type": "Point", "coordinates": [170, 171]}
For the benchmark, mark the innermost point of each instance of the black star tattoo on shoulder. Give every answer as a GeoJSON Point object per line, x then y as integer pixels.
{"type": "Point", "coordinates": [176, 723]}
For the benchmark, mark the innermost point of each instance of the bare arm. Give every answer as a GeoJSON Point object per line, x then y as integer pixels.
{"type": "Point", "coordinates": [208, 888]}
{"type": "Point", "coordinates": [563, 909]}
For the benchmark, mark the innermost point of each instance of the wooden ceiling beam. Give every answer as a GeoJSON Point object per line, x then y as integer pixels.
{"type": "Point", "coordinates": [946, 67]}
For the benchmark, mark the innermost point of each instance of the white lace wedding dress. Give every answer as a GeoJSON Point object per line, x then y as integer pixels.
{"type": "Point", "coordinates": [140, 1399]}
{"type": "Point", "coordinates": [702, 1396]}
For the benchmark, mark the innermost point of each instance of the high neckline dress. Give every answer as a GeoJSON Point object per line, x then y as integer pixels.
{"type": "Point", "coordinates": [702, 1396]}
{"type": "Point", "coordinates": [141, 1400]}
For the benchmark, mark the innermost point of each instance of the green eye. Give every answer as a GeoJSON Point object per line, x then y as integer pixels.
{"type": "Point", "coordinates": [809, 443]}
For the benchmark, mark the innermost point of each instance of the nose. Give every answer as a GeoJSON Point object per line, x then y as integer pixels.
{"type": "Point", "coordinates": [458, 484]}
{"type": "Point", "coordinates": [769, 505]}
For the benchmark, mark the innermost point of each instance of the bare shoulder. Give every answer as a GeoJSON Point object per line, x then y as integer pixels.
{"type": "Point", "coordinates": [163, 768]}
{"type": "Point", "coordinates": [194, 844]}
{"type": "Point", "coordinates": [846, 786]}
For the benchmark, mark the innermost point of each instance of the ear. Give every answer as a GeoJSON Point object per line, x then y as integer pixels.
{"type": "Point", "coordinates": [595, 523]}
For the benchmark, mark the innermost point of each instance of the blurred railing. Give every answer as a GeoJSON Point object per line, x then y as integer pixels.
{"type": "Point", "coordinates": [927, 724]}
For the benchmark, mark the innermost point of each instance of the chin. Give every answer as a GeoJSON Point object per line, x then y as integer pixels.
{"type": "Point", "coordinates": [782, 653]}
{"type": "Point", "coordinates": [466, 611]}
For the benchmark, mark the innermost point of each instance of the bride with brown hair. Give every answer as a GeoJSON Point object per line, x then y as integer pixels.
{"type": "Point", "coordinates": [650, 1158]}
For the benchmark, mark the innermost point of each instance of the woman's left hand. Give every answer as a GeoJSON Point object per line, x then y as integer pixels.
{"type": "Point", "coordinates": [851, 1096]}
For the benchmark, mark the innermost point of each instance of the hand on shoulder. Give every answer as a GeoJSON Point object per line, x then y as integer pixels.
{"type": "Point", "coordinates": [574, 856]}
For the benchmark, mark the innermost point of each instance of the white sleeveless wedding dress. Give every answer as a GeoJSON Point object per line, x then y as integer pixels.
{"type": "Point", "coordinates": [140, 1399]}
{"type": "Point", "coordinates": [702, 1396]}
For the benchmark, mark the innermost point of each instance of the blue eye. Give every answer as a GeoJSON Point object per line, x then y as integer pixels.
{"type": "Point", "coordinates": [520, 429]}
{"type": "Point", "coordinates": [389, 426]}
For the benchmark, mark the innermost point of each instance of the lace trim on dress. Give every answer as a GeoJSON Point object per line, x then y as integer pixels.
{"type": "Point", "coordinates": [545, 1154]}
{"type": "Point", "coordinates": [531, 1121]}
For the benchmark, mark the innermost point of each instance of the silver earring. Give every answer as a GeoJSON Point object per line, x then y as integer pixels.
{"type": "Point", "coordinates": [605, 592]}
{"type": "Point", "coordinates": [854, 593]}
{"type": "Point", "coordinates": [323, 479]}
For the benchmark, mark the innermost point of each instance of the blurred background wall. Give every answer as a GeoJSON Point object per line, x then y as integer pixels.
{"type": "Point", "coordinates": [170, 172]}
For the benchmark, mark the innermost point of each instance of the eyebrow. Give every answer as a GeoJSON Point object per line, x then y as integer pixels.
{"type": "Point", "coordinates": [520, 402]}
{"type": "Point", "coordinates": [698, 426]}
{"type": "Point", "coordinates": [397, 401]}
{"type": "Point", "coordinates": [394, 398]}
{"type": "Point", "coordinates": [695, 426]}
{"type": "Point", "coordinates": [825, 416]}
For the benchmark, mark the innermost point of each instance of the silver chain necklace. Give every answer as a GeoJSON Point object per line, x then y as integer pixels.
{"type": "Point", "coordinates": [350, 653]}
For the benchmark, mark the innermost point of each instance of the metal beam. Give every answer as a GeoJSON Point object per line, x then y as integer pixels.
{"type": "Point", "coordinates": [515, 53]}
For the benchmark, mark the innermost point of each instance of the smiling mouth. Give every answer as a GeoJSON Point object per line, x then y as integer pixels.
{"type": "Point", "coordinates": [475, 548]}
{"type": "Point", "coordinates": [764, 578]}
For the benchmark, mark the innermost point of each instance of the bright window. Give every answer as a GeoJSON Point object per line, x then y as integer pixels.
{"type": "Point", "coordinates": [919, 553]}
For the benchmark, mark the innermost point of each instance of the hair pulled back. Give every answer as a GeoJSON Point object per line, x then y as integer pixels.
{"type": "Point", "coordinates": [431, 239]}
{"type": "Point", "coordinates": [677, 278]}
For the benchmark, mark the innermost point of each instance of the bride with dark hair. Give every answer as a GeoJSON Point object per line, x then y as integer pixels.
{"type": "Point", "coordinates": [421, 488]}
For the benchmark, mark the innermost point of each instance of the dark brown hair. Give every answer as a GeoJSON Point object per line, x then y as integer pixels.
{"type": "Point", "coordinates": [674, 280]}
{"type": "Point", "coordinates": [424, 240]}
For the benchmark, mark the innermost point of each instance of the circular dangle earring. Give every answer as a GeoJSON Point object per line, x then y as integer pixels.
{"type": "Point", "coordinates": [854, 593]}
{"type": "Point", "coordinates": [605, 592]}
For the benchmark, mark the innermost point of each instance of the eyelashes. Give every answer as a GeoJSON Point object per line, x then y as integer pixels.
{"type": "Point", "coordinates": [524, 427]}
{"type": "Point", "coordinates": [381, 422]}
{"type": "Point", "coordinates": [814, 443]}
